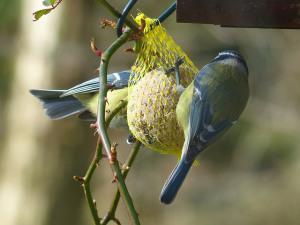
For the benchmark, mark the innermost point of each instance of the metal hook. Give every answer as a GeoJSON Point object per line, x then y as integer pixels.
{"type": "Point", "coordinates": [125, 12]}
{"type": "Point", "coordinates": [167, 13]}
{"type": "Point", "coordinates": [130, 5]}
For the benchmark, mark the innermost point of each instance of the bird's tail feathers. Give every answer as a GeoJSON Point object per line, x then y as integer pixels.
{"type": "Point", "coordinates": [57, 107]}
{"type": "Point", "coordinates": [175, 180]}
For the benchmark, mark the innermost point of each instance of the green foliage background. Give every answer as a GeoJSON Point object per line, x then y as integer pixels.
{"type": "Point", "coordinates": [250, 176]}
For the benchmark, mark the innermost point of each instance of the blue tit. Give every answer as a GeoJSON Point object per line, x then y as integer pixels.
{"type": "Point", "coordinates": [82, 99]}
{"type": "Point", "coordinates": [207, 108]}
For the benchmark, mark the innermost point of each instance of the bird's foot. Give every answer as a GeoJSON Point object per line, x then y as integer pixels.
{"type": "Point", "coordinates": [178, 62]}
{"type": "Point", "coordinates": [131, 139]}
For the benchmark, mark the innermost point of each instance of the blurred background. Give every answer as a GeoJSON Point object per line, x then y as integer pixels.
{"type": "Point", "coordinates": [250, 176]}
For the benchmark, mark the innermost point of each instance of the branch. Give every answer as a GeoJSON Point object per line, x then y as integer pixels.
{"type": "Point", "coordinates": [111, 153]}
{"type": "Point", "coordinates": [53, 4]}
{"type": "Point", "coordinates": [85, 181]}
{"type": "Point", "coordinates": [111, 214]}
{"type": "Point", "coordinates": [112, 114]}
{"type": "Point", "coordinates": [103, 89]}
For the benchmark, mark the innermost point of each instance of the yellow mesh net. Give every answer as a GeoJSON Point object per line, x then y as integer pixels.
{"type": "Point", "coordinates": [157, 49]}
{"type": "Point", "coordinates": [153, 94]}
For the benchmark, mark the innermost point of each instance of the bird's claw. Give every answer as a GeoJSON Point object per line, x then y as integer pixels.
{"type": "Point", "coordinates": [178, 62]}
{"type": "Point", "coordinates": [131, 139]}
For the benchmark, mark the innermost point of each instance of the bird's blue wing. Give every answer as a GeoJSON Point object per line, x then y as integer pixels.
{"type": "Point", "coordinates": [202, 129]}
{"type": "Point", "coordinates": [201, 132]}
{"type": "Point", "coordinates": [208, 119]}
{"type": "Point", "coordinates": [116, 80]}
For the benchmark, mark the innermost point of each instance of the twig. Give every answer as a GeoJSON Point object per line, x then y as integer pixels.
{"type": "Point", "coordinates": [56, 4]}
{"type": "Point", "coordinates": [101, 122]}
{"type": "Point", "coordinates": [85, 181]}
{"type": "Point", "coordinates": [103, 88]}
{"type": "Point", "coordinates": [111, 214]}
{"type": "Point", "coordinates": [112, 114]}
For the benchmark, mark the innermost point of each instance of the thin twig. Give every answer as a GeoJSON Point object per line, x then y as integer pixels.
{"type": "Point", "coordinates": [103, 88]}
{"type": "Point", "coordinates": [111, 214]}
{"type": "Point", "coordinates": [85, 181]}
{"type": "Point", "coordinates": [112, 114]}
{"type": "Point", "coordinates": [101, 122]}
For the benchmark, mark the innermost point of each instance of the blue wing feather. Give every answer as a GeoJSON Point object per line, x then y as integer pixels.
{"type": "Point", "coordinates": [201, 132]}
{"type": "Point", "coordinates": [59, 104]}
{"type": "Point", "coordinates": [174, 182]}
{"type": "Point", "coordinates": [210, 114]}
{"type": "Point", "coordinates": [117, 80]}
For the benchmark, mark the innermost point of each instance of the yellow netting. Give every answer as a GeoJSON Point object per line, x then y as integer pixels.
{"type": "Point", "coordinates": [159, 50]}
{"type": "Point", "coordinates": [153, 95]}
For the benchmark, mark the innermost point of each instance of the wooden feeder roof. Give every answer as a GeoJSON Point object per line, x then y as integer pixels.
{"type": "Point", "coordinates": [241, 13]}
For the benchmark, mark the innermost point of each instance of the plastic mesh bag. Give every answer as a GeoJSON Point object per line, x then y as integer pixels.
{"type": "Point", "coordinates": [153, 95]}
{"type": "Point", "coordinates": [158, 50]}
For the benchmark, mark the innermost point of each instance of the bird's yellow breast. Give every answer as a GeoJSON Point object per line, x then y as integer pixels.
{"type": "Point", "coordinates": [151, 113]}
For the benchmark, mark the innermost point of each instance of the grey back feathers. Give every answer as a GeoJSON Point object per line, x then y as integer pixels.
{"type": "Point", "coordinates": [116, 80]}
{"type": "Point", "coordinates": [59, 104]}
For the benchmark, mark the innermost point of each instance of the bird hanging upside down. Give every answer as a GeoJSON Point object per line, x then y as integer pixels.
{"type": "Point", "coordinates": [207, 108]}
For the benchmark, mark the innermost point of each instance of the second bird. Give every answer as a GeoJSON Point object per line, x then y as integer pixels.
{"type": "Point", "coordinates": [207, 108]}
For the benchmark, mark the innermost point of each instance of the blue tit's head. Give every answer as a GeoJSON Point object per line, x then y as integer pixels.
{"type": "Point", "coordinates": [232, 56]}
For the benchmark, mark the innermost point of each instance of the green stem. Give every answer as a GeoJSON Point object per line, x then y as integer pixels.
{"type": "Point", "coordinates": [117, 14]}
{"type": "Point", "coordinates": [112, 114]}
{"type": "Point", "coordinates": [103, 88]}
{"type": "Point", "coordinates": [101, 122]}
{"type": "Point", "coordinates": [97, 157]}
{"type": "Point", "coordinates": [86, 183]}
{"type": "Point", "coordinates": [111, 214]}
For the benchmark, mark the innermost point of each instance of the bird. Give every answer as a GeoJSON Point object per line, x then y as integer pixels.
{"type": "Point", "coordinates": [206, 109]}
{"type": "Point", "coordinates": [82, 99]}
